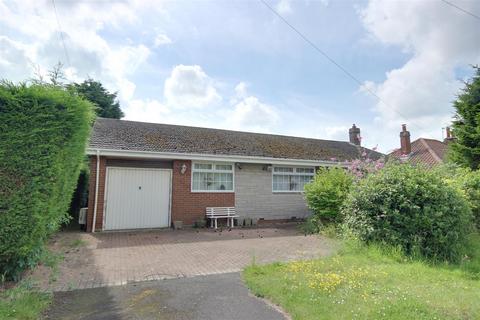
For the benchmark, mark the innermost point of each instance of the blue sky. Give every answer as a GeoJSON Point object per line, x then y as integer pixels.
{"type": "Point", "coordinates": [235, 65]}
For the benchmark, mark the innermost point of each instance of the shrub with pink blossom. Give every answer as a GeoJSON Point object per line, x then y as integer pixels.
{"type": "Point", "coordinates": [365, 165]}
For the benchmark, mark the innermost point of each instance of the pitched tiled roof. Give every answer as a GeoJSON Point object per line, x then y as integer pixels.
{"type": "Point", "coordinates": [140, 136]}
{"type": "Point", "coordinates": [429, 152]}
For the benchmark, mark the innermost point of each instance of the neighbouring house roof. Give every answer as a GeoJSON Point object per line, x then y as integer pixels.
{"type": "Point", "coordinates": [429, 152]}
{"type": "Point", "coordinates": [112, 134]}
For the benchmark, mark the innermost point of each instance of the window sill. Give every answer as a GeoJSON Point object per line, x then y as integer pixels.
{"type": "Point", "coordinates": [288, 192]}
{"type": "Point", "coordinates": [212, 191]}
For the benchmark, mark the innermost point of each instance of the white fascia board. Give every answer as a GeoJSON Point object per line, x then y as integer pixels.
{"type": "Point", "coordinates": [210, 157]}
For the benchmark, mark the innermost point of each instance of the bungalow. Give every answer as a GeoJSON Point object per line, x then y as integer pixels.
{"type": "Point", "coordinates": [147, 175]}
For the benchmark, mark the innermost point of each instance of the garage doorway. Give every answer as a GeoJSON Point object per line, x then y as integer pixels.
{"type": "Point", "coordinates": [137, 198]}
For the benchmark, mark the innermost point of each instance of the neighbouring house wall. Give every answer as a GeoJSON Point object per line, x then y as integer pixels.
{"type": "Point", "coordinates": [254, 197]}
{"type": "Point", "coordinates": [190, 206]}
{"type": "Point", "coordinates": [109, 162]}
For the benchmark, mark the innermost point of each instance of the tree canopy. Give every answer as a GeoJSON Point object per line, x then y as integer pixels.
{"type": "Point", "coordinates": [106, 102]}
{"type": "Point", "coordinates": [466, 125]}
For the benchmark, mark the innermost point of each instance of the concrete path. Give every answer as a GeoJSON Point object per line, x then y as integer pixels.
{"type": "Point", "coordinates": [222, 297]}
{"type": "Point", "coordinates": [112, 259]}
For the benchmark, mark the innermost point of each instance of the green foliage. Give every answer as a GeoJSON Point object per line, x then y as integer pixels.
{"type": "Point", "coordinates": [311, 225]}
{"type": "Point", "coordinates": [469, 183]}
{"type": "Point", "coordinates": [410, 207]}
{"type": "Point", "coordinates": [23, 302]}
{"type": "Point", "coordinates": [106, 102]}
{"type": "Point", "coordinates": [200, 223]}
{"type": "Point", "coordinates": [43, 135]}
{"type": "Point", "coordinates": [466, 126]}
{"type": "Point", "coordinates": [327, 192]}
{"type": "Point", "coordinates": [80, 195]}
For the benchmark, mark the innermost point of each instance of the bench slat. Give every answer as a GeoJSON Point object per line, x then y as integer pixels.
{"type": "Point", "coordinates": [220, 212]}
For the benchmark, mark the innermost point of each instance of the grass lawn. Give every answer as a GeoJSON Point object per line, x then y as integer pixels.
{"type": "Point", "coordinates": [367, 283]}
{"type": "Point", "coordinates": [23, 302]}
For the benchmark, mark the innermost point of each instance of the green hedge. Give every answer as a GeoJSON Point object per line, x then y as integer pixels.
{"type": "Point", "coordinates": [43, 135]}
{"type": "Point", "coordinates": [413, 208]}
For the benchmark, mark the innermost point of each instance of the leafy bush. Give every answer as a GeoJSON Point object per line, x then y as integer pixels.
{"type": "Point", "coordinates": [410, 207]}
{"type": "Point", "coordinates": [43, 135]}
{"type": "Point", "coordinates": [326, 193]}
{"type": "Point", "coordinates": [469, 183]}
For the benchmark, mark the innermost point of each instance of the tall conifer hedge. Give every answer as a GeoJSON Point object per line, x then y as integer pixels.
{"type": "Point", "coordinates": [43, 134]}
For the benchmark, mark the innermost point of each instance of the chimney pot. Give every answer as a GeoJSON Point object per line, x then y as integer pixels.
{"type": "Point", "coordinates": [405, 145]}
{"type": "Point", "coordinates": [354, 134]}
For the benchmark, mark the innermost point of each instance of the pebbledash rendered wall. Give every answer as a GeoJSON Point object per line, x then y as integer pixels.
{"type": "Point", "coordinates": [254, 197]}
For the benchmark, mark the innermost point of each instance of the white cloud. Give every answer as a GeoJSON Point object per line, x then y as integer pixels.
{"type": "Point", "coordinates": [241, 90]}
{"type": "Point", "coordinates": [90, 54]}
{"type": "Point", "coordinates": [15, 59]}
{"type": "Point", "coordinates": [149, 110]}
{"type": "Point", "coordinates": [251, 114]}
{"type": "Point", "coordinates": [189, 91]}
{"type": "Point", "coordinates": [162, 39]}
{"type": "Point", "coordinates": [190, 87]}
{"type": "Point", "coordinates": [284, 7]}
{"type": "Point", "coordinates": [439, 39]}
{"type": "Point", "coordinates": [336, 133]}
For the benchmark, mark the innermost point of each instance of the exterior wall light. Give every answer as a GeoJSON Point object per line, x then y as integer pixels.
{"type": "Point", "coordinates": [183, 168]}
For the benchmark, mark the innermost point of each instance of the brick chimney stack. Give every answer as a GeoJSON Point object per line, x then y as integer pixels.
{"type": "Point", "coordinates": [405, 145]}
{"type": "Point", "coordinates": [449, 133]}
{"type": "Point", "coordinates": [354, 133]}
{"type": "Point", "coordinates": [450, 137]}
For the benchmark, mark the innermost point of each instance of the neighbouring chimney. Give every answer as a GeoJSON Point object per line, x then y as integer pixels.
{"type": "Point", "coordinates": [450, 137]}
{"type": "Point", "coordinates": [354, 133]}
{"type": "Point", "coordinates": [449, 133]}
{"type": "Point", "coordinates": [405, 145]}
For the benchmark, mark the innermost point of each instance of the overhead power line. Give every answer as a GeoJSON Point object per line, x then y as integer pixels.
{"type": "Point", "coordinates": [476, 16]}
{"type": "Point", "coordinates": [338, 65]}
{"type": "Point", "coordinates": [61, 34]}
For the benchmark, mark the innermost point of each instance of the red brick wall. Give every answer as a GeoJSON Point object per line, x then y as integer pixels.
{"type": "Point", "coordinates": [190, 206]}
{"type": "Point", "coordinates": [91, 193]}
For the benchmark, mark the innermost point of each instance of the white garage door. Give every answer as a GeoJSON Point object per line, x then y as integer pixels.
{"type": "Point", "coordinates": [137, 198]}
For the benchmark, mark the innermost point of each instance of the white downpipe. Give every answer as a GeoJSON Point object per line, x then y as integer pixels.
{"type": "Point", "coordinates": [97, 178]}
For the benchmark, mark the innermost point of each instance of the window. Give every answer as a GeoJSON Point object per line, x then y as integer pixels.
{"type": "Point", "coordinates": [212, 177]}
{"type": "Point", "coordinates": [290, 179]}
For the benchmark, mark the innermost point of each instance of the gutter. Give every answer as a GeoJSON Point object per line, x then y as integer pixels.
{"type": "Point", "coordinates": [212, 157]}
{"type": "Point", "coordinates": [97, 178]}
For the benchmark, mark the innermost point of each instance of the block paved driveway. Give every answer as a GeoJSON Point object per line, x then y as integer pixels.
{"type": "Point", "coordinates": [117, 258]}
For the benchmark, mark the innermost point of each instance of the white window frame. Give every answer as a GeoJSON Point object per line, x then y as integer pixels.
{"type": "Point", "coordinates": [213, 170]}
{"type": "Point", "coordinates": [294, 173]}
